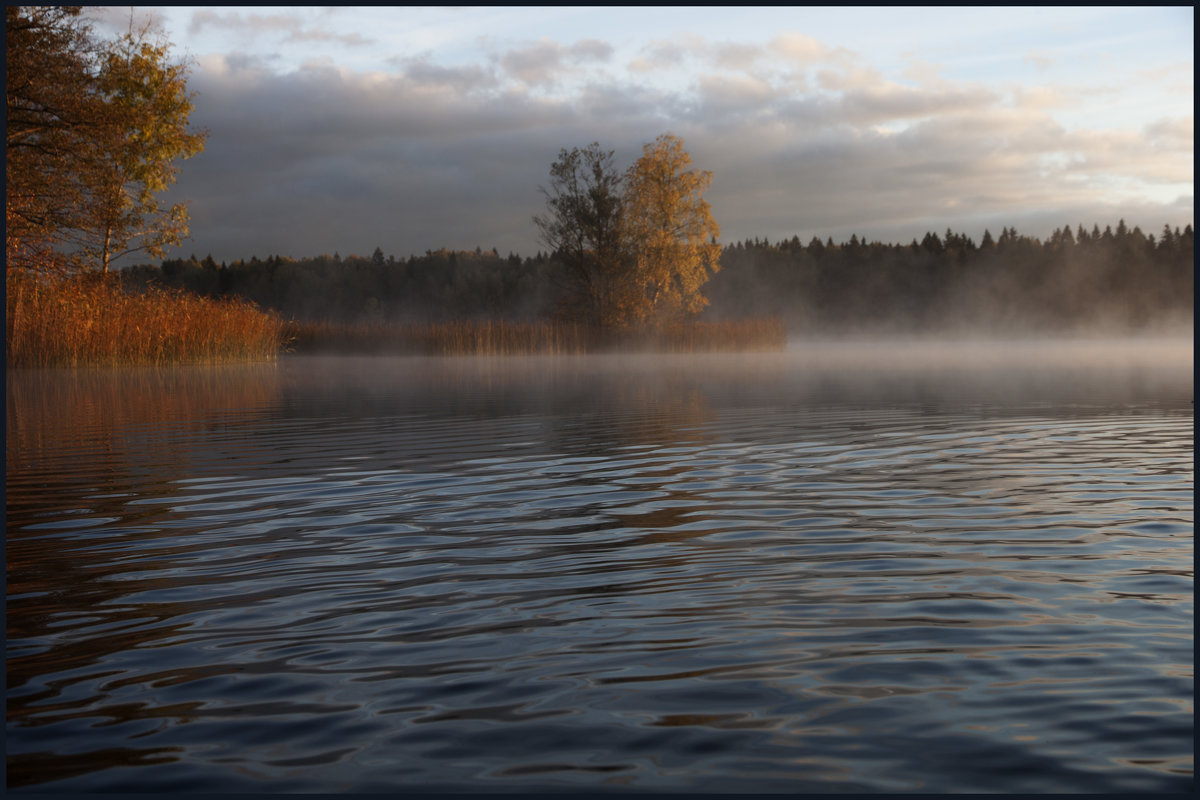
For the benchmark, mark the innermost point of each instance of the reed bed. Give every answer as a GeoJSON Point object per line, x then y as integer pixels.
{"type": "Point", "coordinates": [89, 320]}
{"type": "Point", "coordinates": [533, 338]}
{"type": "Point", "coordinates": [695, 337]}
{"type": "Point", "coordinates": [447, 338]}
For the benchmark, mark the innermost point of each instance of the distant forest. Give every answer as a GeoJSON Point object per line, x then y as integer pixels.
{"type": "Point", "coordinates": [1120, 280]}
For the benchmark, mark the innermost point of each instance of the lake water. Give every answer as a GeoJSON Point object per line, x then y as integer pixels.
{"type": "Point", "coordinates": [846, 567]}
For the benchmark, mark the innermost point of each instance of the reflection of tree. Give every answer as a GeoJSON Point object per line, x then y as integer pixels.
{"type": "Point", "coordinates": [29, 769]}
{"type": "Point", "coordinates": [54, 416]}
{"type": "Point", "coordinates": [52, 413]}
{"type": "Point", "coordinates": [623, 409]}
{"type": "Point", "coordinates": [652, 420]}
{"type": "Point", "coordinates": [88, 441]}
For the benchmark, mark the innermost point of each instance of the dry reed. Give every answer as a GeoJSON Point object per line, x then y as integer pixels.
{"type": "Point", "coordinates": [533, 338]}
{"type": "Point", "coordinates": [447, 338]}
{"type": "Point", "coordinates": [88, 320]}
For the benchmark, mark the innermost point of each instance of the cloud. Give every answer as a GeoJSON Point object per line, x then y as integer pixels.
{"type": "Point", "coordinates": [1040, 61]}
{"type": "Point", "coordinates": [591, 49]}
{"type": "Point", "coordinates": [1178, 77]}
{"type": "Point", "coordinates": [117, 20]}
{"type": "Point", "coordinates": [238, 61]}
{"type": "Point", "coordinates": [1161, 153]}
{"type": "Point", "coordinates": [546, 62]}
{"type": "Point", "coordinates": [734, 56]}
{"type": "Point", "coordinates": [1042, 97]}
{"type": "Point", "coordinates": [665, 54]}
{"type": "Point", "coordinates": [461, 80]}
{"type": "Point", "coordinates": [291, 26]}
{"type": "Point", "coordinates": [791, 50]}
{"type": "Point", "coordinates": [923, 72]}
{"type": "Point", "coordinates": [740, 95]}
{"type": "Point", "coordinates": [887, 102]}
{"type": "Point", "coordinates": [451, 154]}
{"type": "Point", "coordinates": [848, 79]}
{"type": "Point", "coordinates": [322, 159]}
{"type": "Point", "coordinates": [805, 50]}
{"type": "Point", "coordinates": [1178, 134]}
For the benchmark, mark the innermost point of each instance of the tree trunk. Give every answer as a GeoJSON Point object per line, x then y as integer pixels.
{"type": "Point", "coordinates": [106, 253]}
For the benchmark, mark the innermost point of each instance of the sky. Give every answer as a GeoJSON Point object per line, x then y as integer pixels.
{"type": "Point", "coordinates": [341, 129]}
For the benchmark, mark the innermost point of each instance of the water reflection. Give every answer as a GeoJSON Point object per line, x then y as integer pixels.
{"type": "Point", "coordinates": [83, 449]}
{"type": "Point", "coordinates": [863, 571]}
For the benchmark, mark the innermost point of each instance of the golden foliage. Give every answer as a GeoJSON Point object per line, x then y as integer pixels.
{"type": "Point", "coordinates": [93, 130]}
{"type": "Point", "coordinates": [136, 152]}
{"type": "Point", "coordinates": [671, 230]}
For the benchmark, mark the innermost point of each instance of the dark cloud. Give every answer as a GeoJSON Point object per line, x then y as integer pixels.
{"type": "Point", "coordinates": [459, 79]}
{"type": "Point", "coordinates": [322, 159]}
{"type": "Point", "coordinates": [239, 62]}
{"type": "Point", "coordinates": [538, 64]}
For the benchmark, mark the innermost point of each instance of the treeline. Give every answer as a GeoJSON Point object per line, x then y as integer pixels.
{"type": "Point", "coordinates": [440, 286]}
{"type": "Point", "coordinates": [1119, 279]}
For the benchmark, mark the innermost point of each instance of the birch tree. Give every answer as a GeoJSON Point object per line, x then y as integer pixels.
{"type": "Point", "coordinates": [137, 152]}
{"type": "Point", "coordinates": [670, 231]}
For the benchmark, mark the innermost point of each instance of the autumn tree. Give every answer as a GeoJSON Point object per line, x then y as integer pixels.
{"type": "Point", "coordinates": [582, 225]}
{"type": "Point", "coordinates": [640, 245]}
{"type": "Point", "coordinates": [136, 152]}
{"type": "Point", "coordinates": [100, 126]}
{"type": "Point", "coordinates": [669, 229]}
{"type": "Point", "coordinates": [50, 110]}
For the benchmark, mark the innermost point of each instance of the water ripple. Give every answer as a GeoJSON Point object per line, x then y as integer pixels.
{"type": "Point", "coordinates": [598, 579]}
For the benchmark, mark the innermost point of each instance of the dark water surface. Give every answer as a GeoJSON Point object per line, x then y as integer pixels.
{"type": "Point", "coordinates": [843, 568]}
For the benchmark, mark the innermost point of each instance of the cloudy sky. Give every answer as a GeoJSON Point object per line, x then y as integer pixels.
{"type": "Point", "coordinates": [343, 129]}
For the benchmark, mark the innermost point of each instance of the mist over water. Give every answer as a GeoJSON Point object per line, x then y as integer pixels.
{"type": "Point", "coordinates": [852, 566]}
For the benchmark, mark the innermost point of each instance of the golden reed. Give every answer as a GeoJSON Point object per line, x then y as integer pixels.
{"type": "Point", "coordinates": [88, 320]}
{"type": "Point", "coordinates": [533, 338]}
